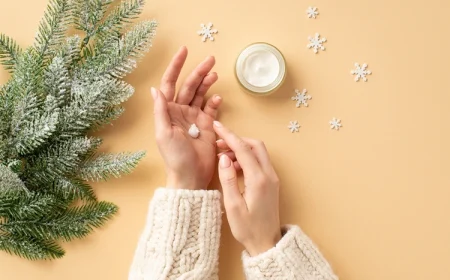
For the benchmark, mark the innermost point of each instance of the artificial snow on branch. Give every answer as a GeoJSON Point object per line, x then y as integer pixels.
{"type": "Point", "coordinates": [61, 88]}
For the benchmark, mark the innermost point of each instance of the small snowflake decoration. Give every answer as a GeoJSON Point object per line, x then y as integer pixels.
{"type": "Point", "coordinates": [361, 72]}
{"type": "Point", "coordinates": [207, 32]}
{"type": "Point", "coordinates": [335, 124]}
{"type": "Point", "coordinates": [312, 12]}
{"type": "Point", "coordinates": [293, 126]}
{"type": "Point", "coordinates": [316, 43]}
{"type": "Point", "coordinates": [301, 98]}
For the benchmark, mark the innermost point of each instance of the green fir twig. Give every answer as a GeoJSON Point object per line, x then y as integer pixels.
{"type": "Point", "coordinates": [60, 89]}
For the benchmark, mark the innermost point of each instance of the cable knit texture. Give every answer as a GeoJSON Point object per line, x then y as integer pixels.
{"type": "Point", "coordinates": [294, 257]}
{"type": "Point", "coordinates": [181, 238]}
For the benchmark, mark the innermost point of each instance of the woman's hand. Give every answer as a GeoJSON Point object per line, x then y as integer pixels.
{"type": "Point", "coordinates": [254, 214]}
{"type": "Point", "coordinates": [189, 162]}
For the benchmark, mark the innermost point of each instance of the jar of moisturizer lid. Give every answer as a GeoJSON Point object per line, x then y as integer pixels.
{"type": "Point", "coordinates": [261, 68]}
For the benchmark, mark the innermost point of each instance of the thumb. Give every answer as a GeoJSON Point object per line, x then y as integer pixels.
{"type": "Point", "coordinates": [162, 118]}
{"type": "Point", "coordinates": [228, 179]}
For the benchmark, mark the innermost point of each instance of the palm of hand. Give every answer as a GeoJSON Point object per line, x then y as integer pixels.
{"type": "Point", "coordinates": [196, 156]}
{"type": "Point", "coordinates": [190, 162]}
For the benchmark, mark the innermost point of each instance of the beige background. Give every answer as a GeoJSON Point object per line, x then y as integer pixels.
{"type": "Point", "coordinates": [374, 196]}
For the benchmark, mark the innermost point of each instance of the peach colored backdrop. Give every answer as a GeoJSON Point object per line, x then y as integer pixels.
{"type": "Point", "coordinates": [374, 196]}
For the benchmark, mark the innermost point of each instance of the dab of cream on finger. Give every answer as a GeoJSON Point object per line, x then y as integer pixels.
{"type": "Point", "coordinates": [194, 132]}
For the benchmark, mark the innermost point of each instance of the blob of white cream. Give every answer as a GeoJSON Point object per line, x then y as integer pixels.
{"type": "Point", "coordinates": [261, 68]}
{"type": "Point", "coordinates": [194, 132]}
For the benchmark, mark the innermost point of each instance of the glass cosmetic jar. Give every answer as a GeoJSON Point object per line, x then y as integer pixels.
{"type": "Point", "coordinates": [260, 69]}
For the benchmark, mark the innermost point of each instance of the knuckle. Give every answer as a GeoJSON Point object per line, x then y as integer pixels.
{"type": "Point", "coordinates": [232, 206]}
{"type": "Point", "coordinates": [259, 143]}
{"type": "Point", "coordinates": [243, 145]}
{"type": "Point", "coordinates": [167, 80]}
{"type": "Point", "coordinates": [276, 181]}
{"type": "Point", "coordinates": [262, 146]}
{"type": "Point", "coordinates": [208, 83]}
{"type": "Point", "coordinates": [260, 181]}
{"type": "Point", "coordinates": [228, 179]}
{"type": "Point", "coordinates": [210, 104]}
{"type": "Point", "coordinates": [191, 87]}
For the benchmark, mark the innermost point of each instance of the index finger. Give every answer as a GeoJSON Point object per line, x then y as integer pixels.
{"type": "Point", "coordinates": [259, 150]}
{"type": "Point", "coordinates": [242, 150]}
{"type": "Point", "coordinates": [170, 77]}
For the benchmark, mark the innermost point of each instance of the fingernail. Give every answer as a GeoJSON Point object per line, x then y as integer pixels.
{"type": "Point", "coordinates": [217, 124]}
{"type": "Point", "coordinates": [224, 161]}
{"type": "Point", "coordinates": [218, 98]}
{"type": "Point", "coordinates": [154, 93]}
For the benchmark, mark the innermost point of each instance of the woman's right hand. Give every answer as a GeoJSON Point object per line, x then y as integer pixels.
{"type": "Point", "coordinates": [254, 214]}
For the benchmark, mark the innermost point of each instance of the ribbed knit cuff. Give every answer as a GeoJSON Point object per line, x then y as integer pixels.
{"type": "Point", "coordinates": [294, 257]}
{"type": "Point", "coordinates": [182, 235]}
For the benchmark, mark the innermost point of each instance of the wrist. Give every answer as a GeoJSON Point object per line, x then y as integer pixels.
{"type": "Point", "coordinates": [258, 248]}
{"type": "Point", "coordinates": [184, 183]}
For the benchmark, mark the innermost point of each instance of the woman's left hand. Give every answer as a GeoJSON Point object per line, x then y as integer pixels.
{"type": "Point", "coordinates": [190, 162]}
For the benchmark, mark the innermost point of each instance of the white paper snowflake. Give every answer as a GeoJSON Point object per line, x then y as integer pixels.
{"type": "Point", "coordinates": [316, 43]}
{"type": "Point", "coordinates": [293, 126]}
{"type": "Point", "coordinates": [335, 124]}
{"type": "Point", "coordinates": [207, 32]}
{"type": "Point", "coordinates": [361, 72]}
{"type": "Point", "coordinates": [312, 12]}
{"type": "Point", "coordinates": [301, 98]}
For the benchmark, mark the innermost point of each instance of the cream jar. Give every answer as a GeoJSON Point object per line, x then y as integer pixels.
{"type": "Point", "coordinates": [260, 69]}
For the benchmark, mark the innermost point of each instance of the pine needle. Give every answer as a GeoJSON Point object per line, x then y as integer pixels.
{"type": "Point", "coordinates": [61, 89]}
{"type": "Point", "coordinates": [9, 51]}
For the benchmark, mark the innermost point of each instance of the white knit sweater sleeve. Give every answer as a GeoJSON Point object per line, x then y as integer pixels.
{"type": "Point", "coordinates": [181, 238]}
{"type": "Point", "coordinates": [294, 257]}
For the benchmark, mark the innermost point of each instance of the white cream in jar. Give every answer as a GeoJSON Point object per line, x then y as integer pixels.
{"type": "Point", "coordinates": [260, 68]}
